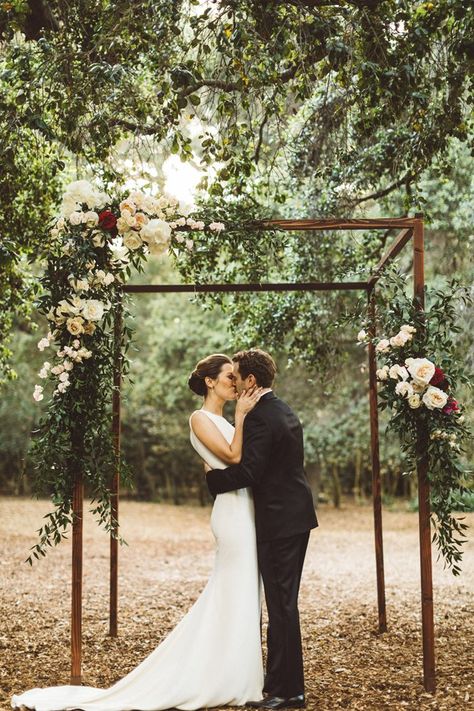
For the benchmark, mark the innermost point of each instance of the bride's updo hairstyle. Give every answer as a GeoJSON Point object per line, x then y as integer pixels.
{"type": "Point", "coordinates": [209, 367]}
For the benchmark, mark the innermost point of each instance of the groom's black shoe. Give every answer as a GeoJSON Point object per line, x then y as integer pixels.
{"type": "Point", "coordinates": [278, 702]}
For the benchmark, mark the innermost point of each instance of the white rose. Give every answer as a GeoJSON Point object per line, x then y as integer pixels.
{"type": "Point", "coordinates": [409, 361]}
{"type": "Point", "coordinates": [91, 218]}
{"type": "Point", "coordinates": [38, 393]}
{"type": "Point", "coordinates": [361, 336]}
{"type": "Point", "coordinates": [98, 239]}
{"type": "Point", "coordinates": [383, 345]}
{"type": "Point", "coordinates": [408, 329]}
{"type": "Point", "coordinates": [434, 398]}
{"type": "Point", "coordinates": [75, 218]}
{"type": "Point", "coordinates": [68, 205]}
{"type": "Point", "coordinates": [43, 343]}
{"type": "Point", "coordinates": [421, 370]}
{"type": "Point", "coordinates": [417, 388]}
{"type": "Point", "coordinates": [76, 343]}
{"type": "Point", "coordinates": [81, 191]}
{"type": "Point", "coordinates": [89, 328]}
{"type": "Point", "coordinates": [132, 240]}
{"type": "Point", "coordinates": [75, 325]}
{"type": "Point", "coordinates": [181, 222]}
{"type": "Point", "coordinates": [84, 353]}
{"type": "Point", "coordinates": [128, 205]}
{"type": "Point", "coordinates": [122, 224]}
{"type": "Point", "coordinates": [67, 365]}
{"type": "Point", "coordinates": [78, 284]}
{"type": "Point", "coordinates": [119, 251]}
{"type": "Point", "coordinates": [108, 279]}
{"type": "Point", "coordinates": [189, 244]}
{"type": "Point", "coordinates": [44, 370]}
{"type": "Point", "coordinates": [184, 208]}
{"type": "Point", "coordinates": [64, 377]}
{"type": "Point", "coordinates": [217, 226]}
{"type": "Point", "coordinates": [400, 339]}
{"type": "Point", "coordinates": [382, 373]}
{"type": "Point", "coordinates": [151, 205]}
{"type": "Point", "coordinates": [199, 225]}
{"type": "Point", "coordinates": [180, 237]}
{"type": "Point", "coordinates": [129, 218]}
{"type": "Point", "coordinates": [141, 219]}
{"type": "Point", "coordinates": [398, 371]}
{"type": "Point", "coordinates": [156, 231]}
{"type": "Point", "coordinates": [414, 401]}
{"type": "Point", "coordinates": [136, 197]}
{"type": "Point", "coordinates": [93, 310]}
{"type": "Point", "coordinates": [67, 248]}
{"type": "Point", "coordinates": [404, 389]}
{"type": "Point", "coordinates": [70, 306]}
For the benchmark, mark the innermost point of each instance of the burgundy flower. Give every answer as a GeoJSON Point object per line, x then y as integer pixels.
{"type": "Point", "coordinates": [451, 406]}
{"type": "Point", "coordinates": [107, 220]}
{"type": "Point", "coordinates": [438, 378]}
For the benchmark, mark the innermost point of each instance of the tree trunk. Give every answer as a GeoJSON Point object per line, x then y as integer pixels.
{"type": "Point", "coordinates": [336, 486]}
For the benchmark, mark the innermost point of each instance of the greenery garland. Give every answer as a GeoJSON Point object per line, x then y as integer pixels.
{"type": "Point", "coordinates": [422, 368]}
{"type": "Point", "coordinates": [92, 249]}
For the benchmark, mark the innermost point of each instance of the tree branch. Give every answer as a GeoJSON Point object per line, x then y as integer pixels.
{"type": "Point", "coordinates": [407, 179]}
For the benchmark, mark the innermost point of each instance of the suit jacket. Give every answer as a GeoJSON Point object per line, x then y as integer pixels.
{"type": "Point", "coordinates": [272, 464]}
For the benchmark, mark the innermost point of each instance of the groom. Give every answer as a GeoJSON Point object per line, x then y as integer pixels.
{"type": "Point", "coordinates": [272, 464]}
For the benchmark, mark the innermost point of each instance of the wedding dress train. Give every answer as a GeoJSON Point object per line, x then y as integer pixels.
{"type": "Point", "coordinates": [213, 656]}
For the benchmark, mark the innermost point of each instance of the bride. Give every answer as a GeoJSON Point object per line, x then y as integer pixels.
{"type": "Point", "coordinates": [213, 657]}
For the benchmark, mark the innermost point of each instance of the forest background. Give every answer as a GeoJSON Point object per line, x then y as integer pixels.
{"type": "Point", "coordinates": [297, 109]}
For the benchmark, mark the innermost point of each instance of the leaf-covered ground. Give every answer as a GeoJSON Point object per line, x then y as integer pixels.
{"type": "Point", "coordinates": [164, 568]}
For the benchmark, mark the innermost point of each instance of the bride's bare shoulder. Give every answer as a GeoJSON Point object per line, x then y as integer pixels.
{"type": "Point", "coordinates": [198, 417]}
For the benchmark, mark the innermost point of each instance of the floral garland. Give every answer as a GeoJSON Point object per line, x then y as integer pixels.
{"type": "Point", "coordinates": [420, 391]}
{"type": "Point", "coordinates": [93, 246]}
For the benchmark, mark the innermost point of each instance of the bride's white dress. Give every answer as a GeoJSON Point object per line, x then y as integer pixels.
{"type": "Point", "coordinates": [213, 657]}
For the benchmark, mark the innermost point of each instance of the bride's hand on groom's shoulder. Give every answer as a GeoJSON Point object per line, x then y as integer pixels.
{"type": "Point", "coordinates": [247, 400]}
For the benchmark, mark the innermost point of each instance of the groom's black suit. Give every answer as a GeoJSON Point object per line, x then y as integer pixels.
{"type": "Point", "coordinates": [272, 464]}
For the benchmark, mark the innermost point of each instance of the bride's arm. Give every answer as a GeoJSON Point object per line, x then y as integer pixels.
{"type": "Point", "coordinates": [212, 438]}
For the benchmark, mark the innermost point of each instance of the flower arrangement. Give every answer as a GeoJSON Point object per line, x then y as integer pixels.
{"type": "Point", "coordinates": [417, 380]}
{"type": "Point", "coordinates": [93, 246]}
{"type": "Point", "coordinates": [97, 240]}
{"type": "Point", "coordinates": [416, 383]}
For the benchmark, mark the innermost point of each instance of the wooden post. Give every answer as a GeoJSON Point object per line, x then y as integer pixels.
{"type": "Point", "coordinates": [376, 484]}
{"type": "Point", "coordinates": [424, 490]}
{"type": "Point", "coordinates": [113, 612]}
{"type": "Point", "coordinates": [76, 604]}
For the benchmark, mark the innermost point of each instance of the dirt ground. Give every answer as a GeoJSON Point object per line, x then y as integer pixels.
{"type": "Point", "coordinates": [164, 568]}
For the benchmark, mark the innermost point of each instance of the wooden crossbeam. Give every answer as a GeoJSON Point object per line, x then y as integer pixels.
{"type": "Point", "coordinates": [216, 288]}
{"type": "Point", "coordinates": [337, 224]}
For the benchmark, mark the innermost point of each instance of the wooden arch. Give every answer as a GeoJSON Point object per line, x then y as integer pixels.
{"type": "Point", "coordinates": [411, 228]}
